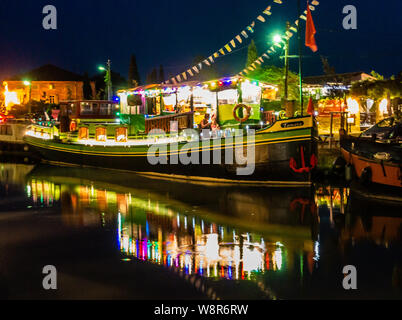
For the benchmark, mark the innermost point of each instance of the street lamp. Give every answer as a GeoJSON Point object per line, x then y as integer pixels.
{"type": "Point", "coordinates": [277, 38]}
{"type": "Point", "coordinates": [108, 78]}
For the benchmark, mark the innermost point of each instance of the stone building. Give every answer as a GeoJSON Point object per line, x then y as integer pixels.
{"type": "Point", "coordinates": [48, 84]}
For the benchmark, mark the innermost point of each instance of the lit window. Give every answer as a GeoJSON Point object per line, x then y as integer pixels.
{"type": "Point", "coordinates": [83, 133]}
{"type": "Point", "coordinates": [101, 134]}
{"type": "Point", "coordinates": [121, 134]}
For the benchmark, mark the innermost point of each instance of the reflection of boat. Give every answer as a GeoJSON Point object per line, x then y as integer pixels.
{"type": "Point", "coordinates": [376, 160]}
{"type": "Point", "coordinates": [285, 150]}
{"type": "Point", "coordinates": [204, 237]}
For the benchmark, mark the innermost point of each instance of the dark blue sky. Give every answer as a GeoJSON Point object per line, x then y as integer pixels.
{"type": "Point", "coordinates": [173, 32]}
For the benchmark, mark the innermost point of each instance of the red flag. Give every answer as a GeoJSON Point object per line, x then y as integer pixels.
{"type": "Point", "coordinates": [310, 31]}
{"type": "Point", "coordinates": [310, 107]}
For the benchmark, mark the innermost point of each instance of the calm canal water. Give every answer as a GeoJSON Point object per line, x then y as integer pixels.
{"type": "Point", "coordinates": [225, 242]}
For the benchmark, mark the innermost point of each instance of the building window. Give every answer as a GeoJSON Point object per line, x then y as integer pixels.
{"type": "Point", "coordinates": [101, 134]}
{"type": "Point", "coordinates": [51, 86]}
{"type": "Point", "coordinates": [83, 133]}
{"type": "Point", "coordinates": [51, 99]}
{"type": "Point", "coordinates": [121, 134]}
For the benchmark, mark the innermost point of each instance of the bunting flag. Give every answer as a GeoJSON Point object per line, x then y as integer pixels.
{"type": "Point", "coordinates": [174, 80]}
{"type": "Point", "coordinates": [309, 28]}
{"type": "Point", "coordinates": [184, 75]}
{"type": "Point", "coordinates": [310, 32]}
{"type": "Point", "coordinates": [244, 34]}
{"type": "Point", "coordinates": [228, 48]}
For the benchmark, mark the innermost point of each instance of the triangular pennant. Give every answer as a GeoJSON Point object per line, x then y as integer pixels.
{"type": "Point", "coordinates": [174, 80]}
{"type": "Point", "coordinates": [254, 66]}
{"type": "Point", "coordinates": [190, 72]}
{"type": "Point", "coordinates": [258, 61]}
{"type": "Point", "coordinates": [312, 8]}
{"type": "Point", "coordinates": [315, 3]}
{"type": "Point", "coordinates": [211, 58]}
{"type": "Point", "coordinates": [250, 68]}
{"type": "Point", "coordinates": [207, 62]}
{"type": "Point", "coordinates": [244, 34]}
{"type": "Point", "coordinates": [227, 47]}
{"type": "Point", "coordinates": [216, 55]}
{"type": "Point", "coordinates": [267, 11]}
{"type": "Point", "coordinates": [265, 55]}
{"type": "Point", "coordinates": [250, 29]}
{"type": "Point", "coordinates": [278, 1]}
{"type": "Point", "coordinates": [252, 24]}
{"type": "Point", "coordinates": [278, 45]}
{"type": "Point", "coordinates": [297, 22]}
{"type": "Point", "coordinates": [261, 18]}
{"type": "Point", "coordinates": [196, 69]}
{"type": "Point", "coordinates": [178, 78]}
{"type": "Point", "coordinates": [233, 43]}
{"type": "Point", "coordinates": [200, 66]}
{"type": "Point", "coordinates": [184, 75]}
{"type": "Point", "coordinates": [222, 52]}
{"type": "Point", "coordinates": [303, 17]}
{"type": "Point", "coordinates": [261, 59]}
{"type": "Point", "coordinates": [293, 29]}
{"type": "Point", "coordinates": [239, 39]}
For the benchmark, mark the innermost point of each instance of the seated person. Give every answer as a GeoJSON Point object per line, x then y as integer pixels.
{"type": "Point", "coordinates": [205, 123]}
{"type": "Point", "coordinates": [214, 125]}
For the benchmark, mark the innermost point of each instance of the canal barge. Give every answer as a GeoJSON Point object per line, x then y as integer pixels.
{"type": "Point", "coordinates": [376, 155]}
{"type": "Point", "coordinates": [174, 121]}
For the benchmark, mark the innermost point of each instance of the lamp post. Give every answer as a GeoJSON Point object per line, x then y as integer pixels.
{"type": "Point", "coordinates": [28, 84]}
{"type": "Point", "coordinates": [108, 78]}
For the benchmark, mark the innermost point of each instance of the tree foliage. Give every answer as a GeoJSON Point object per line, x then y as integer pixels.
{"type": "Point", "coordinates": [134, 79]}
{"type": "Point", "coordinates": [252, 53]}
{"type": "Point", "coordinates": [377, 89]}
{"type": "Point", "coordinates": [275, 75]}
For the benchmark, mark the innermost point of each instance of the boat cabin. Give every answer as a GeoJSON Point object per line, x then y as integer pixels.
{"type": "Point", "coordinates": [230, 101]}
{"type": "Point", "coordinates": [83, 111]}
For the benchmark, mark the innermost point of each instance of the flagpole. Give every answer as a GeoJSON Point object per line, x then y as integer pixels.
{"type": "Point", "coordinates": [300, 58]}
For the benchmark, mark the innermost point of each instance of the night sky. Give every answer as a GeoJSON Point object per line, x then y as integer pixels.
{"type": "Point", "coordinates": [173, 32]}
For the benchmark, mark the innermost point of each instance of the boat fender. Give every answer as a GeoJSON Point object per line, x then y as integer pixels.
{"type": "Point", "coordinates": [366, 176]}
{"type": "Point", "coordinates": [247, 113]}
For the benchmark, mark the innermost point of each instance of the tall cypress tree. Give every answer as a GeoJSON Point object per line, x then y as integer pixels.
{"type": "Point", "coordinates": [133, 74]}
{"type": "Point", "coordinates": [161, 74]}
{"type": "Point", "coordinates": [252, 54]}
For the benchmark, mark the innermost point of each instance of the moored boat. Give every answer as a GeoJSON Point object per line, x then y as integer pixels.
{"type": "Point", "coordinates": [376, 155]}
{"type": "Point", "coordinates": [160, 130]}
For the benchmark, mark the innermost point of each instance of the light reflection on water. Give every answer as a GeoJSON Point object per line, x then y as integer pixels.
{"type": "Point", "coordinates": [282, 239]}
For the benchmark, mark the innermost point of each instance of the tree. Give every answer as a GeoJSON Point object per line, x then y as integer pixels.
{"type": "Point", "coordinates": [252, 53]}
{"type": "Point", "coordinates": [326, 66]}
{"type": "Point", "coordinates": [161, 74]}
{"type": "Point", "coordinates": [274, 75]}
{"type": "Point", "coordinates": [133, 74]}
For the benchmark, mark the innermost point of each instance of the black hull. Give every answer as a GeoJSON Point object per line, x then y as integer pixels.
{"type": "Point", "coordinates": [272, 163]}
